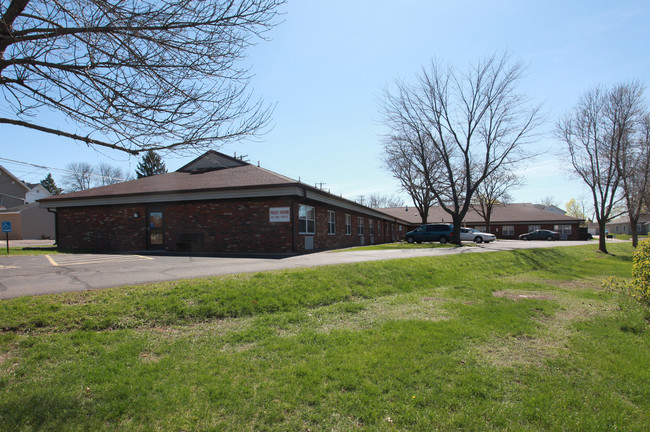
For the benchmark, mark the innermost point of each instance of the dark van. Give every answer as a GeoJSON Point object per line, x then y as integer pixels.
{"type": "Point", "coordinates": [430, 233]}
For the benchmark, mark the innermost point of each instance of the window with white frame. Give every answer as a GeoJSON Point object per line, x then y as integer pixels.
{"type": "Point", "coordinates": [348, 224]}
{"type": "Point", "coordinates": [331, 222]}
{"type": "Point", "coordinates": [360, 226]}
{"type": "Point", "coordinates": [307, 219]}
{"type": "Point", "coordinates": [532, 228]}
{"type": "Point", "coordinates": [563, 229]}
{"type": "Point", "coordinates": [481, 228]}
{"type": "Point", "coordinates": [371, 227]}
{"type": "Point", "coordinates": [508, 230]}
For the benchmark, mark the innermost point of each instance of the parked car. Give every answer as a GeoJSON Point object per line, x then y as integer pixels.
{"type": "Point", "coordinates": [430, 233]}
{"type": "Point", "coordinates": [471, 234]}
{"type": "Point", "coordinates": [540, 235]}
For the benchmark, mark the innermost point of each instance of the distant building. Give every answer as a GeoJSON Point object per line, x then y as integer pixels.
{"type": "Point", "coordinates": [508, 221]}
{"type": "Point", "coordinates": [551, 208]}
{"type": "Point", "coordinates": [621, 225]}
{"type": "Point", "coordinates": [18, 206]}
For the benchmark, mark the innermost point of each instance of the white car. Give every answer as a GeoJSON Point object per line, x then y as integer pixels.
{"type": "Point", "coordinates": [471, 234]}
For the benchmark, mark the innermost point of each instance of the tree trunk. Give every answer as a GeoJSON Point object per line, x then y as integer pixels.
{"type": "Point", "coordinates": [457, 221]}
{"type": "Point", "coordinates": [601, 238]}
{"type": "Point", "coordinates": [635, 235]}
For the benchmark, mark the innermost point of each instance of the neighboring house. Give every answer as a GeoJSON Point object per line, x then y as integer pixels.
{"type": "Point", "coordinates": [621, 225]}
{"type": "Point", "coordinates": [36, 191]}
{"type": "Point", "coordinates": [214, 204]}
{"type": "Point", "coordinates": [18, 206]}
{"type": "Point", "coordinates": [508, 221]}
{"type": "Point", "coordinates": [12, 190]}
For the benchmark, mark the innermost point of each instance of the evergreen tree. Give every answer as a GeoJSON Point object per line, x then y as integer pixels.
{"type": "Point", "coordinates": [151, 164]}
{"type": "Point", "coordinates": [48, 183]}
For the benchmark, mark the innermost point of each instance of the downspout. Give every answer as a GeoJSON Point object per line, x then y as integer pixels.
{"type": "Point", "coordinates": [56, 225]}
{"type": "Point", "coordinates": [293, 225]}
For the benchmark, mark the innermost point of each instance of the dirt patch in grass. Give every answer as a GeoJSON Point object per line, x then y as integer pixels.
{"type": "Point", "coordinates": [580, 284]}
{"type": "Point", "coordinates": [518, 295]}
{"type": "Point", "coordinates": [149, 357]}
{"type": "Point", "coordinates": [554, 331]}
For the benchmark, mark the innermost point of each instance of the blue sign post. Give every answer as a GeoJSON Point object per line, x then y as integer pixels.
{"type": "Point", "coordinates": [6, 228]}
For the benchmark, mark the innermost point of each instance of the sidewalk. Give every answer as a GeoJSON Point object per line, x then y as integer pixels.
{"type": "Point", "coordinates": [25, 243]}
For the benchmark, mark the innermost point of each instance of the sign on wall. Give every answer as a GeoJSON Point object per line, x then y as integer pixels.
{"type": "Point", "coordinates": [279, 214]}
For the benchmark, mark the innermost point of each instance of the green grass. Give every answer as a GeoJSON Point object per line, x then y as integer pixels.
{"type": "Point", "coordinates": [29, 250]}
{"type": "Point", "coordinates": [521, 340]}
{"type": "Point", "coordinates": [398, 245]}
{"type": "Point", "coordinates": [628, 237]}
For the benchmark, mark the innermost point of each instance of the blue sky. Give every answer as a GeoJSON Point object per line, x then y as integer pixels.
{"type": "Point", "coordinates": [325, 68]}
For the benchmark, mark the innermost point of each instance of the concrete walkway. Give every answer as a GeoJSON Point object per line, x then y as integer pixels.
{"type": "Point", "coordinates": [25, 243]}
{"type": "Point", "coordinates": [48, 274]}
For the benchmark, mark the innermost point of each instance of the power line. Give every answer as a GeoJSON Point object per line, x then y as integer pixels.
{"type": "Point", "coordinates": [60, 170]}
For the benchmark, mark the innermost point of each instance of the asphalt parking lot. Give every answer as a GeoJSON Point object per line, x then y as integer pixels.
{"type": "Point", "coordinates": [48, 274]}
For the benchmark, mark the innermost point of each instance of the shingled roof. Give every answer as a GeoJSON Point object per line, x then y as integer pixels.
{"type": "Point", "coordinates": [211, 171]}
{"type": "Point", "coordinates": [212, 175]}
{"type": "Point", "coordinates": [502, 214]}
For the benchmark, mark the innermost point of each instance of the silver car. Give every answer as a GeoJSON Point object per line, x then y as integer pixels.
{"type": "Point", "coordinates": [471, 234]}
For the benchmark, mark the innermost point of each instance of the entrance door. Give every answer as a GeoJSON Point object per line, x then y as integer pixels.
{"type": "Point", "coordinates": [155, 229]}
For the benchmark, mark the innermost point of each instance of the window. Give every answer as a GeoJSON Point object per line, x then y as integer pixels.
{"type": "Point", "coordinates": [331, 222]}
{"type": "Point", "coordinates": [532, 228]}
{"type": "Point", "coordinates": [563, 229]}
{"type": "Point", "coordinates": [481, 228]}
{"type": "Point", "coordinates": [360, 226]}
{"type": "Point", "coordinates": [379, 227]}
{"type": "Point", "coordinates": [508, 230]}
{"type": "Point", "coordinates": [307, 219]}
{"type": "Point", "coordinates": [371, 227]}
{"type": "Point", "coordinates": [348, 224]}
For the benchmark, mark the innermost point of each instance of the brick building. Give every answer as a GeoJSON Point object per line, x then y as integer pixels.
{"type": "Point", "coordinates": [216, 204]}
{"type": "Point", "coordinates": [507, 221]}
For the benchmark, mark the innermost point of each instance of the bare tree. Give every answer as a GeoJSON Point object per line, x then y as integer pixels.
{"type": "Point", "coordinates": [634, 166]}
{"type": "Point", "coordinates": [472, 125]}
{"type": "Point", "coordinates": [597, 133]}
{"type": "Point", "coordinates": [403, 157]}
{"type": "Point", "coordinates": [134, 75]}
{"type": "Point", "coordinates": [494, 191]}
{"type": "Point", "coordinates": [81, 176]}
{"type": "Point", "coordinates": [384, 201]}
{"type": "Point", "coordinates": [548, 201]}
{"type": "Point", "coordinates": [108, 174]}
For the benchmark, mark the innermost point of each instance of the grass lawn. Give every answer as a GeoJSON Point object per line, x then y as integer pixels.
{"type": "Point", "coordinates": [520, 340]}
{"type": "Point", "coordinates": [29, 250]}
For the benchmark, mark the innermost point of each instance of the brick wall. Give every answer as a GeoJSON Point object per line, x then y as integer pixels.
{"type": "Point", "coordinates": [102, 229]}
{"type": "Point", "coordinates": [519, 229]}
{"type": "Point", "coordinates": [226, 226]}
{"type": "Point", "coordinates": [323, 240]}
{"type": "Point", "coordinates": [213, 226]}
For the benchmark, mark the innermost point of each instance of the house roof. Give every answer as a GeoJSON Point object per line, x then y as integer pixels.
{"type": "Point", "coordinates": [236, 177]}
{"type": "Point", "coordinates": [506, 213]}
{"type": "Point", "coordinates": [643, 219]}
{"type": "Point", "coordinates": [18, 209]}
{"type": "Point", "coordinates": [212, 175]}
{"type": "Point", "coordinates": [14, 178]}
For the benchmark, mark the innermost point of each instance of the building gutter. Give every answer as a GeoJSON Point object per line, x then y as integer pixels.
{"type": "Point", "coordinates": [56, 225]}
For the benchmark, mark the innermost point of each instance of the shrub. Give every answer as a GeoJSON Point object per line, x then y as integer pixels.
{"type": "Point", "coordinates": [641, 272]}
